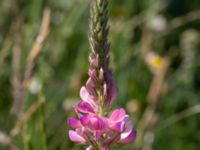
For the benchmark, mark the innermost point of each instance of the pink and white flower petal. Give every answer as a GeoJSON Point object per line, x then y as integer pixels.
{"type": "Point", "coordinates": [84, 107]}
{"type": "Point", "coordinates": [92, 73]}
{"type": "Point", "coordinates": [128, 138]}
{"type": "Point", "coordinates": [127, 131]}
{"type": "Point", "coordinates": [90, 83]}
{"type": "Point", "coordinates": [76, 137]}
{"type": "Point", "coordinates": [118, 115]}
{"type": "Point", "coordinates": [85, 96]}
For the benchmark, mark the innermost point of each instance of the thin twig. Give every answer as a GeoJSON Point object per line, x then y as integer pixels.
{"type": "Point", "coordinates": [32, 57]}
{"type": "Point", "coordinates": [4, 138]}
{"type": "Point", "coordinates": [149, 115]}
{"type": "Point", "coordinates": [7, 140]}
{"type": "Point", "coordinates": [180, 21]}
{"type": "Point", "coordinates": [39, 42]}
{"type": "Point", "coordinates": [177, 117]}
{"type": "Point", "coordinates": [26, 116]}
{"type": "Point", "coordinates": [157, 83]}
{"type": "Point", "coordinates": [150, 112]}
{"type": "Point", "coordinates": [16, 32]}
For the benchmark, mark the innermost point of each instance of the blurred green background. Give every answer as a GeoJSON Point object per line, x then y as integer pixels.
{"type": "Point", "coordinates": [144, 34]}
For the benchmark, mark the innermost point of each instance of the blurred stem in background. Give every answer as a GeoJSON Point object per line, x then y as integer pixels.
{"type": "Point", "coordinates": [20, 88]}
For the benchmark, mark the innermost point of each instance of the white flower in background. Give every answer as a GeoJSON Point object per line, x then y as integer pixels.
{"type": "Point", "coordinates": [35, 85]}
{"type": "Point", "coordinates": [157, 23]}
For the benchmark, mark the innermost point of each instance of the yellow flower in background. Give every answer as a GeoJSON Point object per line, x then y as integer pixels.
{"type": "Point", "coordinates": [154, 61]}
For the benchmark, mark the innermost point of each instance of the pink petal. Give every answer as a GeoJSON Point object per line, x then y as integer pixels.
{"type": "Point", "coordinates": [90, 86]}
{"type": "Point", "coordinates": [85, 120]}
{"type": "Point", "coordinates": [93, 122]}
{"type": "Point", "coordinates": [129, 138]}
{"type": "Point", "coordinates": [118, 115]}
{"type": "Point", "coordinates": [85, 107]}
{"type": "Point", "coordinates": [94, 60]}
{"type": "Point", "coordinates": [119, 126]}
{"type": "Point", "coordinates": [127, 131]}
{"type": "Point", "coordinates": [74, 123]}
{"type": "Point", "coordinates": [85, 96]}
{"type": "Point", "coordinates": [99, 123]}
{"type": "Point", "coordinates": [90, 83]}
{"type": "Point", "coordinates": [75, 137]}
{"type": "Point", "coordinates": [92, 73]}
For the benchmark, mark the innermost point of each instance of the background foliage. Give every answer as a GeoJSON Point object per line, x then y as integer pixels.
{"type": "Point", "coordinates": [163, 29]}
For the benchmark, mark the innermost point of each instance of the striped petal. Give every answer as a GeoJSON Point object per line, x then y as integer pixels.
{"type": "Point", "coordinates": [119, 126]}
{"type": "Point", "coordinates": [118, 115]}
{"type": "Point", "coordinates": [85, 96]}
{"type": "Point", "coordinates": [85, 107]}
{"type": "Point", "coordinates": [76, 137]}
{"type": "Point", "coordinates": [129, 138]}
{"type": "Point", "coordinates": [85, 120]}
{"type": "Point", "coordinates": [128, 130]}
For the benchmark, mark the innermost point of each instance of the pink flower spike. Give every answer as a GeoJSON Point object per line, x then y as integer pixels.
{"type": "Point", "coordinates": [95, 126]}
{"type": "Point", "coordinates": [74, 123]}
{"type": "Point", "coordinates": [129, 138]}
{"type": "Point", "coordinates": [118, 115]}
{"type": "Point", "coordinates": [75, 137]}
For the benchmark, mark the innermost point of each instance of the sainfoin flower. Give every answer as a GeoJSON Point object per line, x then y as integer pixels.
{"type": "Point", "coordinates": [91, 128]}
{"type": "Point", "coordinates": [95, 126]}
